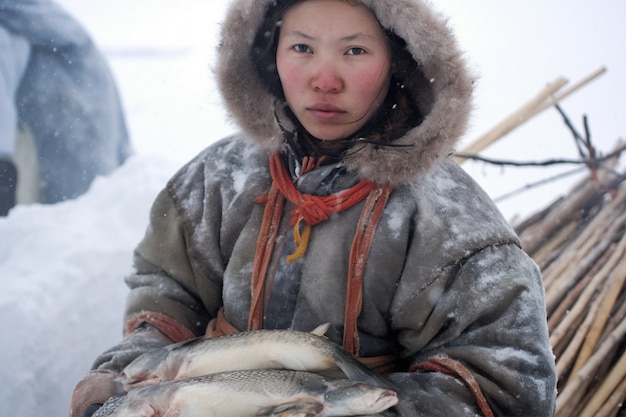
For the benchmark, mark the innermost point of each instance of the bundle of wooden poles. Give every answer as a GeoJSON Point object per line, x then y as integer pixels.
{"type": "Point", "coordinates": [579, 242]}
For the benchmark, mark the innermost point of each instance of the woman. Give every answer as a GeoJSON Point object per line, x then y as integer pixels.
{"type": "Point", "coordinates": [338, 203]}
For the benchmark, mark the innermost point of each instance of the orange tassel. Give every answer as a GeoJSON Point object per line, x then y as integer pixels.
{"type": "Point", "coordinates": [301, 241]}
{"type": "Point", "coordinates": [310, 208]}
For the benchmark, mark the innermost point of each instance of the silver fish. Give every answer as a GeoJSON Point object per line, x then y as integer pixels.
{"type": "Point", "coordinates": [252, 393]}
{"type": "Point", "coordinates": [261, 349]}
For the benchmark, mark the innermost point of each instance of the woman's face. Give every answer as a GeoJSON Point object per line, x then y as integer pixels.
{"type": "Point", "coordinates": [334, 65]}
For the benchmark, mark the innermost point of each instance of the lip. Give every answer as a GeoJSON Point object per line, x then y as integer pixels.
{"type": "Point", "coordinates": [325, 111]}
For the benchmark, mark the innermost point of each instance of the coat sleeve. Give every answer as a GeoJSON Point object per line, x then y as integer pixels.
{"type": "Point", "coordinates": [161, 306]}
{"type": "Point", "coordinates": [176, 285]}
{"type": "Point", "coordinates": [165, 290]}
{"type": "Point", "coordinates": [479, 322]}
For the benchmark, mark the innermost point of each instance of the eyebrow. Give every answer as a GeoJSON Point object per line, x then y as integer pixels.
{"type": "Point", "coordinates": [348, 38]}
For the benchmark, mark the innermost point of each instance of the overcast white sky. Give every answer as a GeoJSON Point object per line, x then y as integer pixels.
{"type": "Point", "coordinates": [517, 47]}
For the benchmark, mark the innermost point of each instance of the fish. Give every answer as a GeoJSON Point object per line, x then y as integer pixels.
{"type": "Point", "coordinates": [257, 349]}
{"type": "Point", "coordinates": [250, 393]}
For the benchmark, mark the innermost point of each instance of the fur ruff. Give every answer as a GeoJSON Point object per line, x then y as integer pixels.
{"type": "Point", "coordinates": [429, 40]}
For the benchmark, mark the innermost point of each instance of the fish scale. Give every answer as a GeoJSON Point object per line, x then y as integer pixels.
{"type": "Point", "coordinates": [252, 393]}
{"type": "Point", "coordinates": [261, 349]}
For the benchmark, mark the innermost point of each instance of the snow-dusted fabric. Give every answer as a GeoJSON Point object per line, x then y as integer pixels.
{"type": "Point", "coordinates": [445, 274]}
{"type": "Point", "coordinates": [67, 99]}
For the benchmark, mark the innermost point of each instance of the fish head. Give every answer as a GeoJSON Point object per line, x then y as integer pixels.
{"type": "Point", "coordinates": [345, 397]}
{"type": "Point", "coordinates": [141, 371]}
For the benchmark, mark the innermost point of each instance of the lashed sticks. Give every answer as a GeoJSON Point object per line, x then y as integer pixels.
{"type": "Point", "coordinates": [583, 258]}
{"type": "Point", "coordinates": [579, 242]}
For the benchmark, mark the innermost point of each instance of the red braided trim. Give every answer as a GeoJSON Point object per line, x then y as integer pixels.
{"type": "Point", "coordinates": [361, 245]}
{"type": "Point", "coordinates": [311, 208]}
{"type": "Point", "coordinates": [166, 325]}
{"type": "Point", "coordinates": [455, 369]}
{"type": "Point", "coordinates": [264, 248]}
{"type": "Point", "coordinates": [219, 326]}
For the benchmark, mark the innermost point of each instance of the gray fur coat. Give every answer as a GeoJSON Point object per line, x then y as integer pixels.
{"type": "Point", "coordinates": [445, 276]}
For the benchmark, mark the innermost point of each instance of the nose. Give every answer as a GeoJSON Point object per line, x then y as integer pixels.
{"type": "Point", "coordinates": [327, 78]}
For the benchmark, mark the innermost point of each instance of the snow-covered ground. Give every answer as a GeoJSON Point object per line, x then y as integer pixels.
{"type": "Point", "coordinates": [61, 266]}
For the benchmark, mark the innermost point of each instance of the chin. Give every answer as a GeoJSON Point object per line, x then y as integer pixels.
{"type": "Point", "coordinates": [329, 136]}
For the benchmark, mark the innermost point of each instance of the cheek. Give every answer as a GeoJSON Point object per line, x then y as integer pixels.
{"type": "Point", "coordinates": [370, 83]}
{"type": "Point", "coordinates": [290, 78]}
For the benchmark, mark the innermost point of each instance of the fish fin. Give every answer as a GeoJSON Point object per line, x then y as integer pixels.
{"type": "Point", "coordinates": [368, 376]}
{"type": "Point", "coordinates": [321, 329]}
{"type": "Point", "coordinates": [294, 409]}
{"type": "Point", "coordinates": [357, 371]}
{"type": "Point", "coordinates": [153, 380]}
{"type": "Point", "coordinates": [139, 409]}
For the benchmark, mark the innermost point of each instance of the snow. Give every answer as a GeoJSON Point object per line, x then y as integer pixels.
{"type": "Point", "coordinates": [62, 266]}
{"type": "Point", "coordinates": [62, 293]}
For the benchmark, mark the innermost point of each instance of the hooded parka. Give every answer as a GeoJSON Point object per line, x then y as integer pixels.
{"type": "Point", "coordinates": [445, 288]}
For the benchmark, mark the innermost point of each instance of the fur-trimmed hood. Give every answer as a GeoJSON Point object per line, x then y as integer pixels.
{"type": "Point", "coordinates": [444, 97]}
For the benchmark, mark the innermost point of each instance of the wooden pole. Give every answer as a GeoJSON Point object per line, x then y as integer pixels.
{"type": "Point", "coordinates": [568, 356]}
{"type": "Point", "coordinates": [610, 384]}
{"type": "Point", "coordinates": [615, 401]}
{"type": "Point", "coordinates": [609, 296]}
{"type": "Point", "coordinates": [535, 106]}
{"type": "Point", "coordinates": [513, 120]}
{"type": "Point", "coordinates": [560, 97]}
{"type": "Point", "coordinates": [566, 401]}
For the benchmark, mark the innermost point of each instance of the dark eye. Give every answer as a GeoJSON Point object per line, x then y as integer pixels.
{"type": "Point", "coordinates": [355, 51]}
{"type": "Point", "coordinates": [301, 48]}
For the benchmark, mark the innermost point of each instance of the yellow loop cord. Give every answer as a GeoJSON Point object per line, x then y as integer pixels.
{"type": "Point", "coordinates": [301, 241]}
